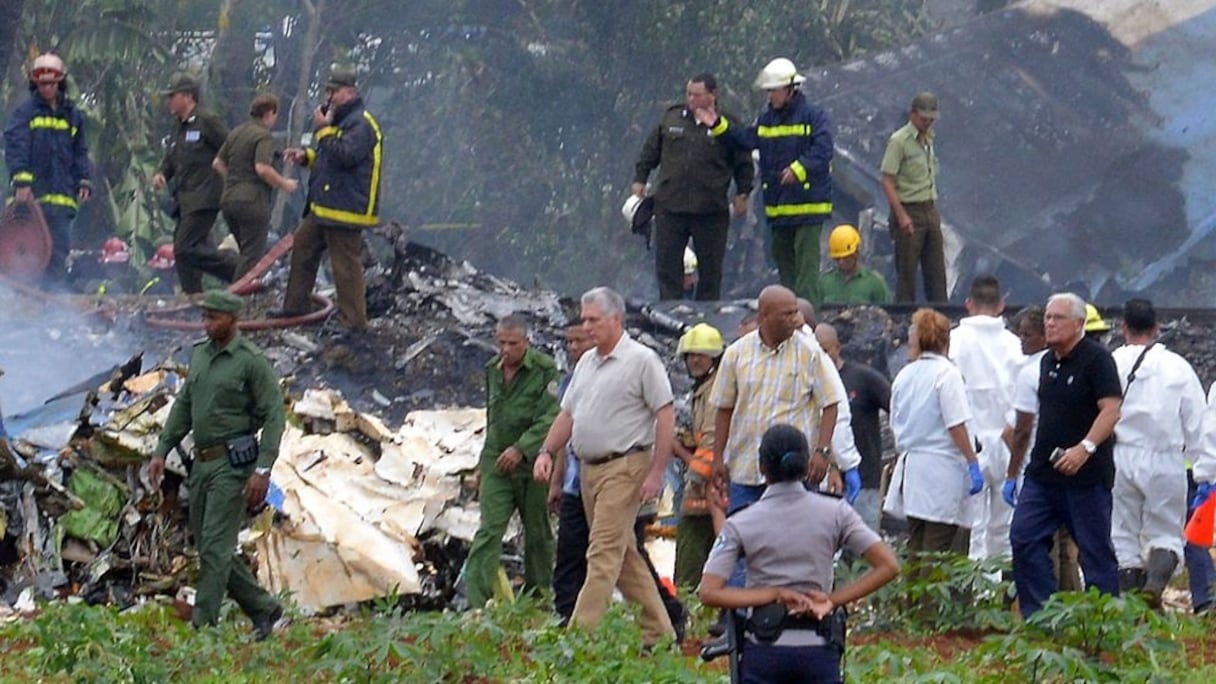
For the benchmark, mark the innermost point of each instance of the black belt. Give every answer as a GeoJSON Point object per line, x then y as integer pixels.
{"type": "Point", "coordinates": [212, 452]}
{"type": "Point", "coordinates": [926, 203]}
{"type": "Point", "coordinates": [616, 454]}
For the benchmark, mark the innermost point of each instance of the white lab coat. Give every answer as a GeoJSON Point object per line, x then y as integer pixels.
{"type": "Point", "coordinates": [930, 481]}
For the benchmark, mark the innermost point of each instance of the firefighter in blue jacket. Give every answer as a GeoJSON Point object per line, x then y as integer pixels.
{"type": "Point", "coordinates": [794, 138]}
{"type": "Point", "coordinates": [48, 157]}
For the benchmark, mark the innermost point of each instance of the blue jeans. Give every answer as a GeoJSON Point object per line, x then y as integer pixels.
{"type": "Point", "coordinates": [742, 495]}
{"type": "Point", "coordinates": [763, 664]}
{"type": "Point", "coordinates": [1199, 568]}
{"type": "Point", "coordinates": [1041, 510]}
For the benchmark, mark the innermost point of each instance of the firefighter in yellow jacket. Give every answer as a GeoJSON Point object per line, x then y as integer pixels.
{"type": "Point", "coordinates": [701, 348]}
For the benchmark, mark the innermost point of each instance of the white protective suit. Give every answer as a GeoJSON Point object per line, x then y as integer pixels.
{"type": "Point", "coordinates": [989, 357]}
{"type": "Point", "coordinates": [1162, 415]}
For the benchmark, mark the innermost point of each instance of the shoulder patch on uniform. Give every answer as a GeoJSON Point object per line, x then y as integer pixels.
{"type": "Point", "coordinates": [552, 388]}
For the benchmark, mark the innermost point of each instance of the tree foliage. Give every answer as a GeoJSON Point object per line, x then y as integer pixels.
{"type": "Point", "coordinates": [511, 126]}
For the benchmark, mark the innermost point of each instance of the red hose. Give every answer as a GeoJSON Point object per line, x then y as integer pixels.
{"type": "Point", "coordinates": [246, 285]}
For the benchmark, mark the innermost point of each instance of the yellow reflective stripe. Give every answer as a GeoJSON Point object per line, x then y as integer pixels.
{"type": "Point", "coordinates": [59, 200]}
{"type": "Point", "coordinates": [799, 170]}
{"type": "Point", "coordinates": [720, 128]}
{"type": "Point", "coordinates": [798, 209]}
{"type": "Point", "coordinates": [377, 153]}
{"type": "Point", "coordinates": [785, 131]}
{"type": "Point", "coordinates": [51, 122]}
{"type": "Point", "coordinates": [343, 216]}
{"type": "Point", "coordinates": [23, 177]}
{"type": "Point", "coordinates": [326, 132]}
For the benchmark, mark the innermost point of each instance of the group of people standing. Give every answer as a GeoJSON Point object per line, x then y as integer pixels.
{"type": "Point", "coordinates": [700, 152]}
{"type": "Point", "coordinates": [208, 170]}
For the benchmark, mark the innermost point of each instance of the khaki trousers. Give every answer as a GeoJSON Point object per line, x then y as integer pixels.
{"type": "Point", "coordinates": [610, 499]}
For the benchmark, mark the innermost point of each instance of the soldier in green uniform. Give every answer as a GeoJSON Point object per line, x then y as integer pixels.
{"type": "Point", "coordinates": [230, 394]}
{"type": "Point", "coordinates": [246, 161]}
{"type": "Point", "coordinates": [521, 403]}
{"type": "Point", "coordinates": [196, 186]}
{"type": "Point", "coordinates": [850, 282]}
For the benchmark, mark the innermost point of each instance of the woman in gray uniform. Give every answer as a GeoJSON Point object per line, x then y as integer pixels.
{"type": "Point", "coordinates": [788, 539]}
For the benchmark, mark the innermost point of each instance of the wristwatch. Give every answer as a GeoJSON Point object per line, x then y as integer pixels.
{"type": "Point", "coordinates": [262, 471]}
{"type": "Point", "coordinates": [1089, 446]}
{"type": "Point", "coordinates": [824, 451]}
{"type": "Point", "coordinates": [545, 451]}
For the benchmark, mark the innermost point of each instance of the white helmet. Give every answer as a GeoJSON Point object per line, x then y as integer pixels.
{"type": "Point", "coordinates": [47, 68]}
{"type": "Point", "coordinates": [778, 73]}
{"type": "Point", "coordinates": [630, 207]}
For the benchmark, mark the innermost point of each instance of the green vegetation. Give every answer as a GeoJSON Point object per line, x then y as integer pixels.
{"type": "Point", "coordinates": [1075, 638]}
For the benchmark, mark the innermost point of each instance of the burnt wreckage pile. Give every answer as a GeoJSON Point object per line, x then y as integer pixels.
{"type": "Point", "coordinates": [374, 492]}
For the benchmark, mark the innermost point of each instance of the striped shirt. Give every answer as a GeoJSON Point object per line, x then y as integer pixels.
{"type": "Point", "coordinates": [766, 386]}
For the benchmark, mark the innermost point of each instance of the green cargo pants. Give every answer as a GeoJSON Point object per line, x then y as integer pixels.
{"type": "Point", "coordinates": [217, 509]}
{"type": "Point", "coordinates": [499, 496]}
{"type": "Point", "coordinates": [694, 539]}
{"type": "Point", "coordinates": [796, 252]}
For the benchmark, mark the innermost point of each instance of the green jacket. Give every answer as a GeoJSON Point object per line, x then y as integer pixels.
{"type": "Point", "coordinates": [187, 164]}
{"type": "Point", "coordinates": [695, 168]}
{"type": "Point", "coordinates": [865, 287]}
{"type": "Point", "coordinates": [230, 391]}
{"type": "Point", "coordinates": [520, 414]}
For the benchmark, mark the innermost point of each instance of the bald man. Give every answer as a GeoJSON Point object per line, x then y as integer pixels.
{"type": "Point", "coordinates": [775, 374]}
{"type": "Point", "coordinates": [868, 392]}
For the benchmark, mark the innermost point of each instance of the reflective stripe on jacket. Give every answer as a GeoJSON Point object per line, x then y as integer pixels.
{"type": "Point", "coordinates": [345, 184]}
{"type": "Point", "coordinates": [797, 136]}
{"type": "Point", "coordinates": [45, 149]}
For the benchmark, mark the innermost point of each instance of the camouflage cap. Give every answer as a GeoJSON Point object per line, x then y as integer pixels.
{"type": "Point", "coordinates": [221, 300]}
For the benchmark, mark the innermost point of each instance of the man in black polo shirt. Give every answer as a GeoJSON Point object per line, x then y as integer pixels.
{"type": "Point", "coordinates": [1079, 400]}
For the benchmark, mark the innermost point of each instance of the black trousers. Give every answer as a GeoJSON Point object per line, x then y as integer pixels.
{"type": "Point", "coordinates": [708, 233]}
{"type": "Point", "coordinates": [195, 254]}
{"type": "Point", "coordinates": [570, 564]}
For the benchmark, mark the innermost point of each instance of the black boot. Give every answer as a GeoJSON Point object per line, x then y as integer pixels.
{"type": "Point", "coordinates": [1161, 565]}
{"type": "Point", "coordinates": [1130, 579]}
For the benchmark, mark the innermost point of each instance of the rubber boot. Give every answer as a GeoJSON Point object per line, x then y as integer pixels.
{"type": "Point", "coordinates": [1161, 565]}
{"type": "Point", "coordinates": [1130, 579]}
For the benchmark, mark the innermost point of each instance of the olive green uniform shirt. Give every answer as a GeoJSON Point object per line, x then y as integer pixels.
{"type": "Point", "coordinates": [230, 391]}
{"type": "Point", "coordinates": [248, 145]}
{"type": "Point", "coordinates": [521, 412]}
{"type": "Point", "coordinates": [695, 168]}
{"type": "Point", "coordinates": [913, 165]}
{"type": "Point", "coordinates": [863, 287]}
{"type": "Point", "coordinates": [187, 164]}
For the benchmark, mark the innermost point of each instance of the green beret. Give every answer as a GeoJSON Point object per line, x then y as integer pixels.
{"type": "Point", "coordinates": [221, 300]}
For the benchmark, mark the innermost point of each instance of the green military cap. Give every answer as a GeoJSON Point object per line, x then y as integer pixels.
{"type": "Point", "coordinates": [221, 300]}
{"type": "Point", "coordinates": [181, 83]}
{"type": "Point", "coordinates": [341, 76]}
{"type": "Point", "coordinates": [925, 104]}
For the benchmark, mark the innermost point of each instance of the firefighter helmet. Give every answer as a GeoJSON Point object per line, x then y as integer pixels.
{"type": "Point", "coordinates": [115, 251]}
{"type": "Point", "coordinates": [1094, 321]}
{"type": "Point", "coordinates": [47, 68]}
{"type": "Point", "coordinates": [843, 242]}
{"type": "Point", "coordinates": [778, 73]}
{"type": "Point", "coordinates": [702, 338]}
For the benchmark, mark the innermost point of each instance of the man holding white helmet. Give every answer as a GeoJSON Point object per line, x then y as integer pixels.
{"type": "Point", "coordinates": [794, 138]}
{"type": "Point", "coordinates": [695, 170]}
{"type": "Point", "coordinates": [48, 156]}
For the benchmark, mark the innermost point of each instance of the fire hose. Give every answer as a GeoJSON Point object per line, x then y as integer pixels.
{"type": "Point", "coordinates": [246, 285]}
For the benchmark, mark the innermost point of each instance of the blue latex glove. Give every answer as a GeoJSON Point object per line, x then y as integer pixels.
{"type": "Point", "coordinates": [852, 485]}
{"type": "Point", "coordinates": [1202, 491]}
{"type": "Point", "coordinates": [1009, 492]}
{"type": "Point", "coordinates": [977, 478]}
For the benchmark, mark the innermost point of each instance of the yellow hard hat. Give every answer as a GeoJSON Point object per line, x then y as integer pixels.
{"type": "Point", "coordinates": [702, 338]}
{"type": "Point", "coordinates": [843, 241]}
{"type": "Point", "coordinates": [1094, 321]}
